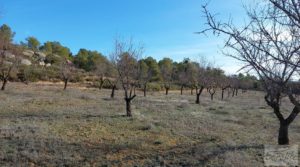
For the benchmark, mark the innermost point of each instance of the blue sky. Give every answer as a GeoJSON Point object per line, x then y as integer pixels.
{"type": "Point", "coordinates": [166, 27]}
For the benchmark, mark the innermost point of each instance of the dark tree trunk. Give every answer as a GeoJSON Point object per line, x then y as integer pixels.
{"type": "Point", "coordinates": [198, 93]}
{"type": "Point", "coordinates": [66, 84]}
{"type": "Point", "coordinates": [223, 94]}
{"type": "Point", "coordinates": [181, 89]}
{"type": "Point", "coordinates": [283, 137]}
{"type": "Point", "coordinates": [145, 90]}
{"type": "Point", "coordinates": [212, 92]}
{"type": "Point", "coordinates": [167, 90]}
{"type": "Point", "coordinates": [128, 107]}
{"type": "Point", "coordinates": [112, 95]}
{"type": "Point", "coordinates": [4, 84]}
{"type": "Point", "coordinates": [198, 98]}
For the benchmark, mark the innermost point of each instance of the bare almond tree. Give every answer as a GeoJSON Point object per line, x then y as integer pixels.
{"type": "Point", "coordinates": [192, 75]}
{"type": "Point", "coordinates": [212, 79]}
{"type": "Point", "coordinates": [269, 45]}
{"type": "Point", "coordinates": [10, 59]}
{"type": "Point", "coordinates": [167, 71]}
{"type": "Point", "coordinates": [200, 83]}
{"type": "Point", "coordinates": [224, 84]}
{"type": "Point", "coordinates": [234, 85]}
{"type": "Point", "coordinates": [145, 74]}
{"type": "Point", "coordinates": [113, 82]}
{"type": "Point", "coordinates": [125, 57]}
{"type": "Point", "coordinates": [67, 70]}
{"type": "Point", "coordinates": [100, 71]}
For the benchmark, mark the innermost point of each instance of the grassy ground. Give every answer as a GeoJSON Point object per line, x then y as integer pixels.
{"type": "Point", "coordinates": [41, 125]}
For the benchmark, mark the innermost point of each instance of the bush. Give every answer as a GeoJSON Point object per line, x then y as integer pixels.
{"type": "Point", "coordinates": [77, 77]}
{"type": "Point", "coordinates": [154, 87]}
{"type": "Point", "coordinates": [34, 74]}
{"type": "Point", "coordinates": [52, 73]}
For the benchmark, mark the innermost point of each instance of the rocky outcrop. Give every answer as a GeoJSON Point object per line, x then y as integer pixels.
{"type": "Point", "coordinates": [28, 53]}
{"type": "Point", "coordinates": [27, 58]}
{"type": "Point", "coordinates": [9, 55]}
{"type": "Point", "coordinates": [41, 55]}
{"type": "Point", "coordinates": [26, 62]}
{"type": "Point", "coordinates": [7, 63]}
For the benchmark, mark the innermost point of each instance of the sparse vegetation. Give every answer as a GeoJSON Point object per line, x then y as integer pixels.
{"type": "Point", "coordinates": [39, 127]}
{"type": "Point", "coordinates": [42, 124]}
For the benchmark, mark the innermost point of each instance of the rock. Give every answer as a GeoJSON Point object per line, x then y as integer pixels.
{"type": "Point", "coordinates": [42, 63]}
{"type": "Point", "coordinates": [9, 55]}
{"type": "Point", "coordinates": [28, 53]}
{"type": "Point", "coordinates": [26, 62]}
{"type": "Point", "coordinates": [41, 55]}
{"type": "Point", "coordinates": [7, 63]}
{"type": "Point", "coordinates": [55, 55]}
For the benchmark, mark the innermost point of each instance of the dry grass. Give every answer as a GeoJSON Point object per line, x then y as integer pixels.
{"type": "Point", "coordinates": [41, 125]}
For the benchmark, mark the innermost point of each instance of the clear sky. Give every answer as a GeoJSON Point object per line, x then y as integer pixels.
{"type": "Point", "coordinates": [166, 27]}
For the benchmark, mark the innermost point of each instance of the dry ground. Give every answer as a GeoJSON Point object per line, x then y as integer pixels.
{"type": "Point", "coordinates": [41, 125]}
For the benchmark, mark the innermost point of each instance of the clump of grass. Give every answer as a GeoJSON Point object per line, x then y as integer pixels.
{"type": "Point", "coordinates": [145, 127]}
{"type": "Point", "coordinates": [157, 142]}
{"type": "Point", "coordinates": [220, 112]}
{"type": "Point", "coordinates": [212, 109]}
{"type": "Point", "coordinates": [85, 97]}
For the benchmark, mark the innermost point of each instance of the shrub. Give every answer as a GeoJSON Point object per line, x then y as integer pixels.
{"type": "Point", "coordinates": [154, 87]}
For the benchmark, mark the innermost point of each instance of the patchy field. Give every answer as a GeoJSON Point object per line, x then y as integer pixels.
{"type": "Point", "coordinates": [41, 125]}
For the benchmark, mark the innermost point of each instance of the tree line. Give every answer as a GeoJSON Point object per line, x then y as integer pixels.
{"type": "Point", "coordinates": [125, 68]}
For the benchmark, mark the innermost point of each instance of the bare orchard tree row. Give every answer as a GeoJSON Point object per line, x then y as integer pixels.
{"type": "Point", "coordinates": [125, 70]}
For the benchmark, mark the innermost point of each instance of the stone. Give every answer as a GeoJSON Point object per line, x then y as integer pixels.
{"type": "Point", "coordinates": [26, 62]}
{"type": "Point", "coordinates": [41, 63]}
{"type": "Point", "coordinates": [9, 55]}
{"type": "Point", "coordinates": [28, 53]}
{"type": "Point", "coordinates": [7, 63]}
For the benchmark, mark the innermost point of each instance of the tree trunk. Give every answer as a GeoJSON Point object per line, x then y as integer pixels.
{"type": "Point", "coordinates": [212, 92]}
{"type": "Point", "coordinates": [283, 137]}
{"type": "Point", "coordinates": [223, 94]}
{"type": "Point", "coordinates": [198, 98]}
{"type": "Point", "coordinates": [167, 91]}
{"type": "Point", "coordinates": [128, 107]}
{"type": "Point", "coordinates": [181, 89]}
{"type": "Point", "coordinates": [198, 93]}
{"type": "Point", "coordinates": [66, 84]}
{"type": "Point", "coordinates": [145, 90]}
{"type": "Point", "coordinates": [4, 84]}
{"type": "Point", "coordinates": [101, 84]}
{"type": "Point", "coordinates": [112, 95]}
